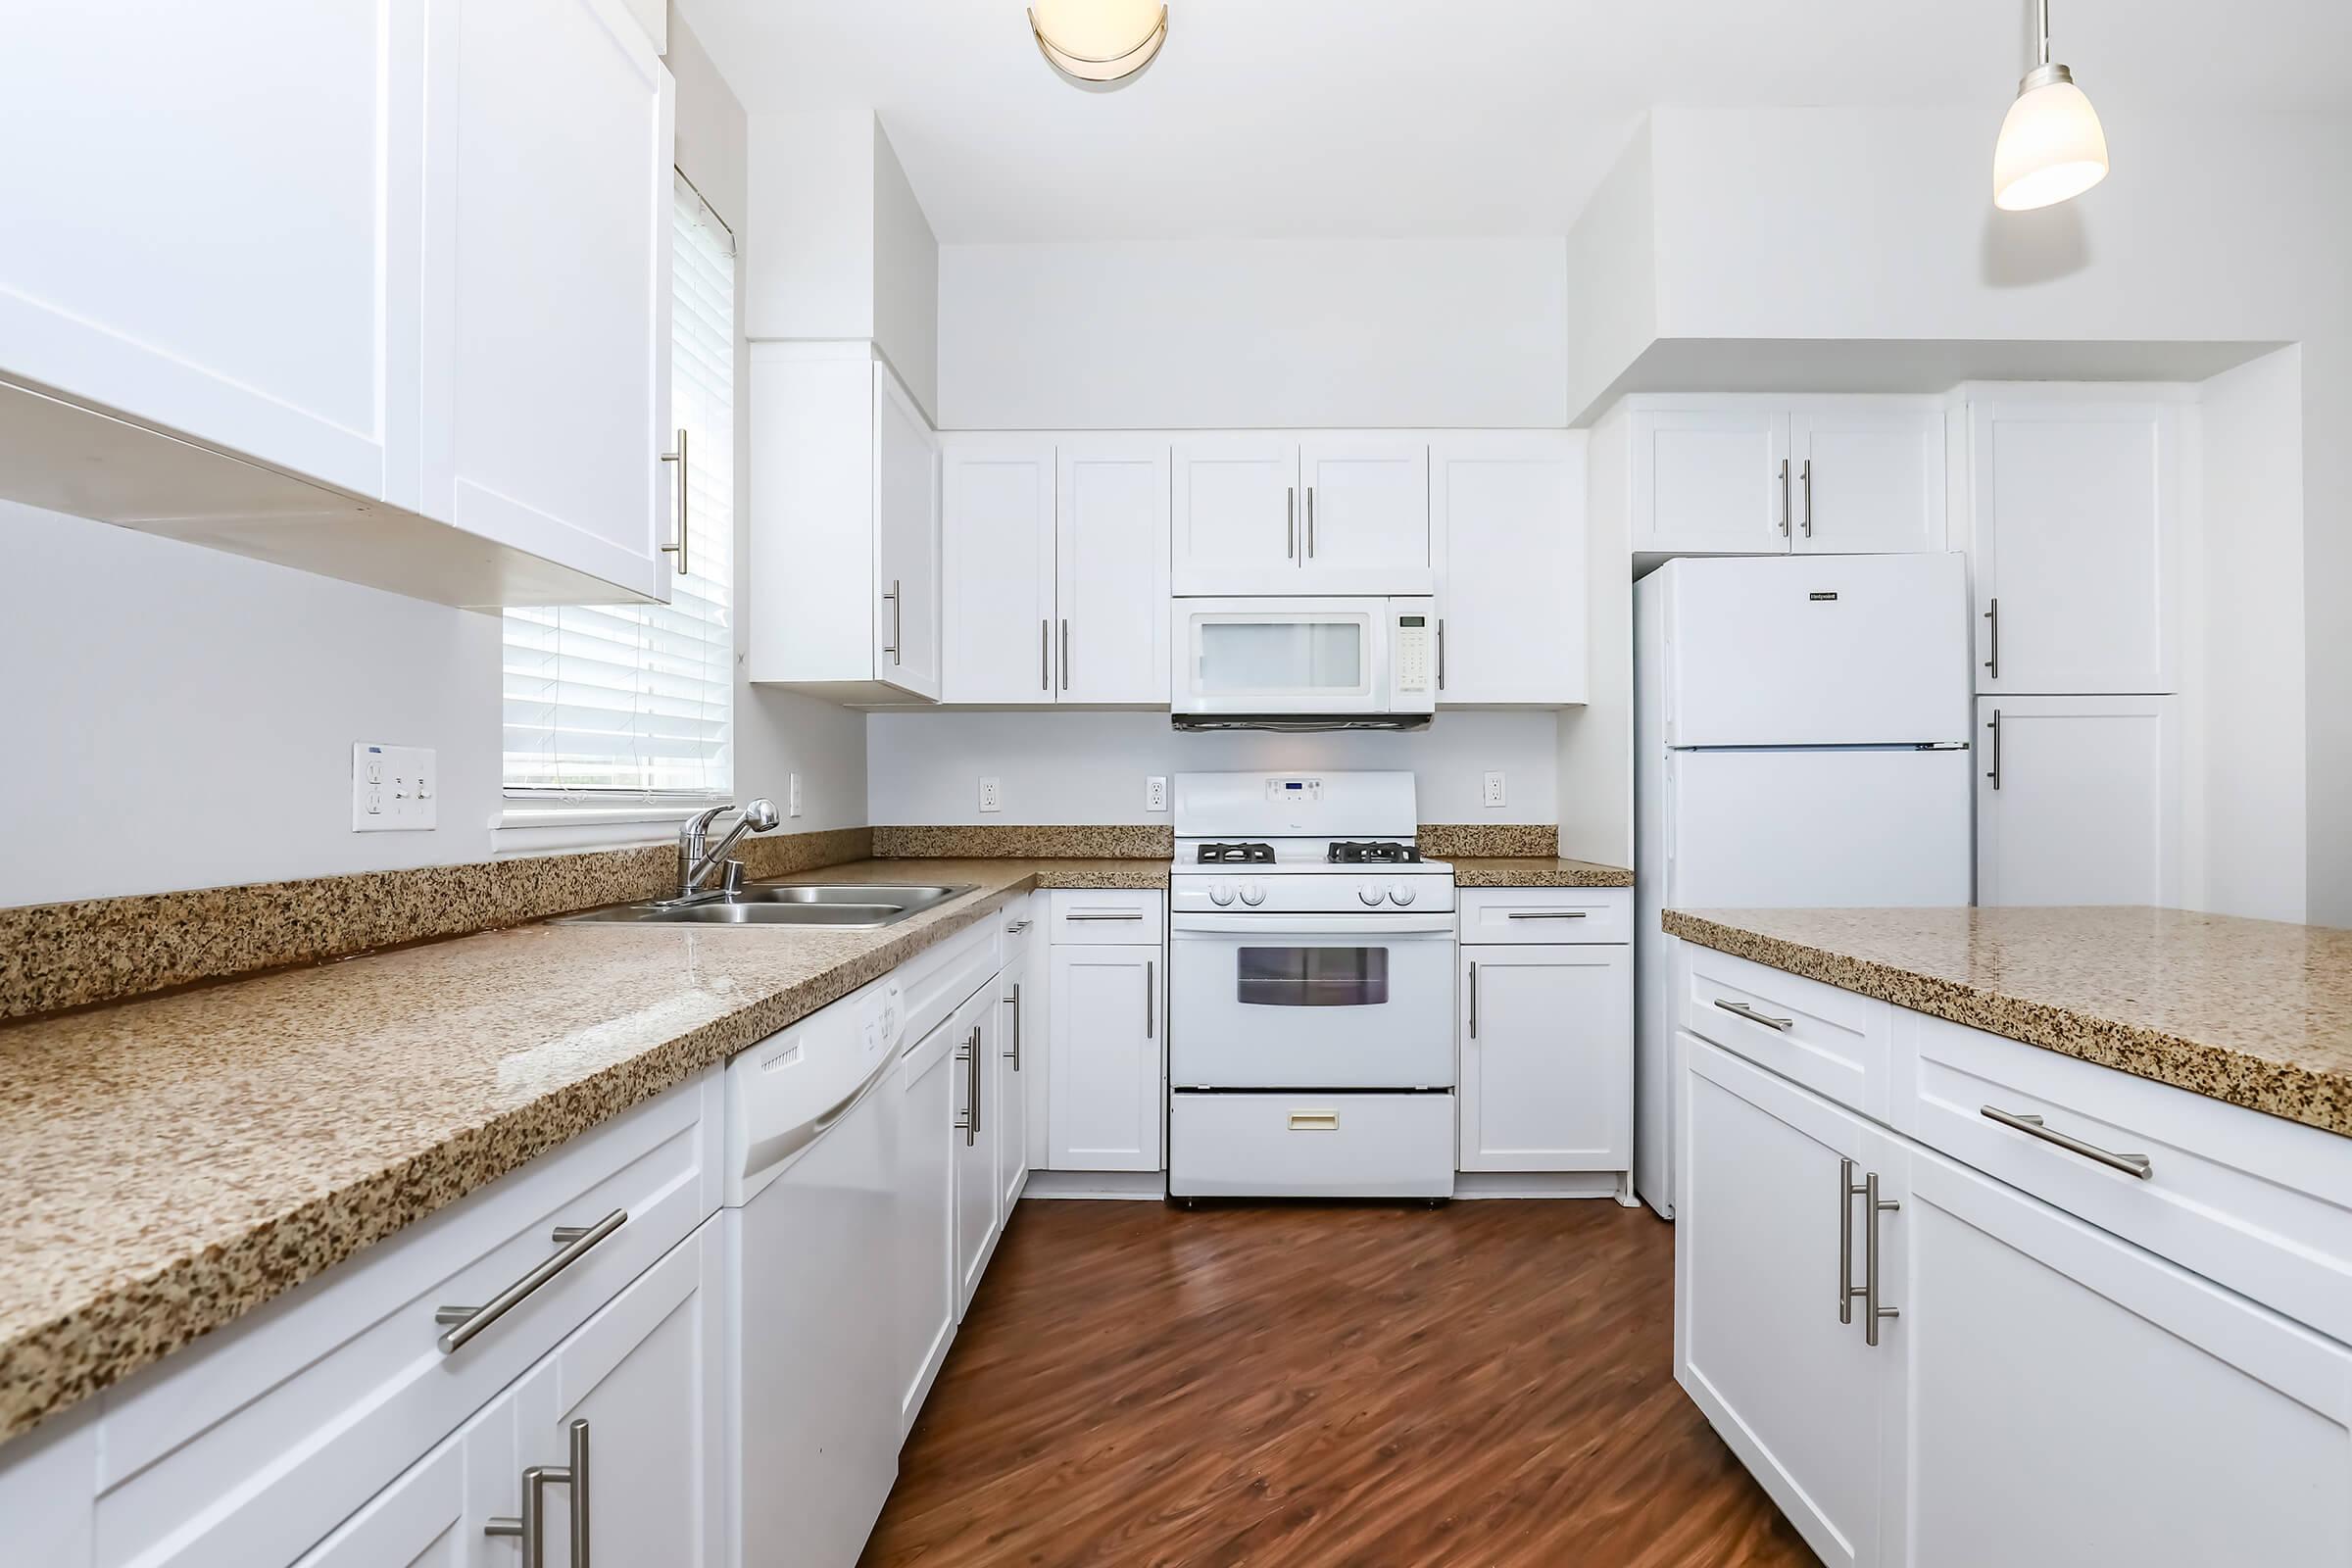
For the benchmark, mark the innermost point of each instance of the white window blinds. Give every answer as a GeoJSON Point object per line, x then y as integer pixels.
{"type": "Point", "coordinates": [613, 703]}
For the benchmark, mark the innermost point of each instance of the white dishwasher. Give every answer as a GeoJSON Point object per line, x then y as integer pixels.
{"type": "Point", "coordinates": [813, 1396]}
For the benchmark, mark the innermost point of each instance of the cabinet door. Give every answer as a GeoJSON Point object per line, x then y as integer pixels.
{"type": "Point", "coordinates": [2077, 546]}
{"type": "Point", "coordinates": [1103, 1078]}
{"type": "Point", "coordinates": [2078, 800]}
{"type": "Point", "coordinates": [1547, 1059]}
{"type": "Point", "coordinates": [1234, 514]}
{"type": "Point", "coordinates": [1711, 479]}
{"type": "Point", "coordinates": [546, 370]}
{"type": "Point", "coordinates": [997, 543]}
{"type": "Point", "coordinates": [137, 266]}
{"type": "Point", "coordinates": [2075, 1400]}
{"type": "Point", "coordinates": [1365, 516]}
{"type": "Point", "coordinates": [1507, 525]}
{"type": "Point", "coordinates": [979, 1200]}
{"type": "Point", "coordinates": [1016, 1023]}
{"type": "Point", "coordinates": [639, 1388]}
{"type": "Point", "coordinates": [930, 1083]}
{"type": "Point", "coordinates": [906, 541]}
{"type": "Point", "coordinates": [1869, 475]}
{"type": "Point", "coordinates": [433, 1516]}
{"type": "Point", "coordinates": [1760, 1206]}
{"type": "Point", "coordinates": [1111, 570]}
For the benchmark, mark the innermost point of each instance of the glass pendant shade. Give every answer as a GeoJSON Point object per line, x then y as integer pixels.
{"type": "Point", "coordinates": [1099, 41]}
{"type": "Point", "coordinates": [2051, 146]}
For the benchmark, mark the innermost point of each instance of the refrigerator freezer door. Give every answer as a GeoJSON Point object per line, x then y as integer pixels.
{"type": "Point", "coordinates": [1817, 829]}
{"type": "Point", "coordinates": [1816, 651]}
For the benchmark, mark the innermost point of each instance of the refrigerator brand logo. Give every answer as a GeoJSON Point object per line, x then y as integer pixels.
{"type": "Point", "coordinates": [1818, 598]}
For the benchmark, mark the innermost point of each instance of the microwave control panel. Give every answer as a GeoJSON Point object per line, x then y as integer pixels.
{"type": "Point", "coordinates": [1412, 654]}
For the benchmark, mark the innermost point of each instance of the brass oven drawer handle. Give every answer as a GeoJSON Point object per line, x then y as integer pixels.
{"type": "Point", "coordinates": [1314, 1121]}
{"type": "Point", "coordinates": [2139, 1165]}
{"type": "Point", "coordinates": [1741, 1009]}
{"type": "Point", "coordinates": [464, 1322]}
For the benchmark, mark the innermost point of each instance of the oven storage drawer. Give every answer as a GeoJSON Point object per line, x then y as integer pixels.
{"type": "Point", "coordinates": [1315, 1144]}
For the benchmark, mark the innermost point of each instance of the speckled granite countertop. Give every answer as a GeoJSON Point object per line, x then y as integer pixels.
{"type": "Point", "coordinates": [2255, 1012]}
{"type": "Point", "coordinates": [168, 1164]}
{"type": "Point", "coordinates": [1537, 871]}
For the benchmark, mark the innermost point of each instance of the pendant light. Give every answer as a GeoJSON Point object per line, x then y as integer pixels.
{"type": "Point", "coordinates": [1099, 42]}
{"type": "Point", "coordinates": [2051, 148]}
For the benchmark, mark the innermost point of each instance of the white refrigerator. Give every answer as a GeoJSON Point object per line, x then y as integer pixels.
{"type": "Point", "coordinates": [1800, 738]}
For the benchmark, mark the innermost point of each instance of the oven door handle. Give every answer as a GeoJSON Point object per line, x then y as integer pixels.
{"type": "Point", "coordinates": [1335, 930]}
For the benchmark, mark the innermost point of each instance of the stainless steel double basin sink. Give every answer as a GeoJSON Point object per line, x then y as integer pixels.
{"type": "Point", "coordinates": [830, 906]}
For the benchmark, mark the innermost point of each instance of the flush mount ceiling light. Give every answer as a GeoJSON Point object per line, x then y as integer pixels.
{"type": "Point", "coordinates": [1098, 43]}
{"type": "Point", "coordinates": [2051, 148]}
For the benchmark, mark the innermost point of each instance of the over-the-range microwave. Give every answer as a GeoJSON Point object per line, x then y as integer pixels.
{"type": "Point", "coordinates": [1303, 663]}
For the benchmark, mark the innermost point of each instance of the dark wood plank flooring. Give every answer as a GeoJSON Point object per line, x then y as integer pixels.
{"type": "Point", "coordinates": [1487, 1383]}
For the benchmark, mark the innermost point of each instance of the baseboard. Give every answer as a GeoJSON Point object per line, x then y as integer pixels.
{"type": "Point", "coordinates": [1135, 1185]}
{"type": "Point", "coordinates": [1538, 1184]}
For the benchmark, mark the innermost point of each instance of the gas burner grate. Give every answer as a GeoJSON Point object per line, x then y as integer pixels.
{"type": "Point", "coordinates": [1377, 853]}
{"type": "Point", "coordinates": [1236, 855]}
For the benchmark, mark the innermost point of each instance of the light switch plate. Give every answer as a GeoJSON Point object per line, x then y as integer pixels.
{"type": "Point", "coordinates": [1156, 795]}
{"type": "Point", "coordinates": [991, 796]}
{"type": "Point", "coordinates": [394, 788]}
{"type": "Point", "coordinates": [792, 794]}
{"type": "Point", "coordinates": [1494, 786]}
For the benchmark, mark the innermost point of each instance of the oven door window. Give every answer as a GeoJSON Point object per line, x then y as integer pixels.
{"type": "Point", "coordinates": [1311, 977]}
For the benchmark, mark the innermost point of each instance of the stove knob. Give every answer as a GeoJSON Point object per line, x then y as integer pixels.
{"type": "Point", "coordinates": [1254, 894]}
{"type": "Point", "coordinates": [1369, 893]}
{"type": "Point", "coordinates": [1401, 891]}
{"type": "Point", "coordinates": [1220, 893]}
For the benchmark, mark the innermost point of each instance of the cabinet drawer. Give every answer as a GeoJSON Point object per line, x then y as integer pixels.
{"type": "Point", "coordinates": [1120, 917]}
{"type": "Point", "coordinates": [934, 982]}
{"type": "Point", "coordinates": [252, 1445]}
{"type": "Point", "coordinates": [1833, 1041]}
{"type": "Point", "coordinates": [1310, 1144]}
{"type": "Point", "coordinates": [2250, 1201]}
{"type": "Point", "coordinates": [1547, 915]}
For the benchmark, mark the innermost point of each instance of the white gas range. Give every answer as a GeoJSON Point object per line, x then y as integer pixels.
{"type": "Point", "coordinates": [1310, 991]}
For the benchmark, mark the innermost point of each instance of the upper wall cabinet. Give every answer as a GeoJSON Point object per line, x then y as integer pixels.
{"type": "Point", "coordinates": [417, 342]}
{"type": "Point", "coordinates": [1339, 514]}
{"type": "Point", "coordinates": [1507, 530]}
{"type": "Point", "coordinates": [1057, 569]}
{"type": "Point", "coordinates": [1753, 475]}
{"type": "Point", "coordinates": [2076, 533]}
{"type": "Point", "coordinates": [845, 548]}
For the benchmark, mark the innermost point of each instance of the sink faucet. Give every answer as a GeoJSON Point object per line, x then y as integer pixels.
{"type": "Point", "coordinates": [694, 864]}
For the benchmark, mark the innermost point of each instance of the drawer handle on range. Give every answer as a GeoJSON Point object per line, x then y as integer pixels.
{"type": "Point", "coordinates": [1549, 914]}
{"type": "Point", "coordinates": [464, 1322]}
{"type": "Point", "coordinates": [2138, 1165]}
{"type": "Point", "coordinates": [532, 1526]}
{"type": "Point", "coordinates": [1104, 915]}
{"type": "Point", "coordinates": [1741, 1009]}
{"type": "Point", "coordinates": [1314, 1121]}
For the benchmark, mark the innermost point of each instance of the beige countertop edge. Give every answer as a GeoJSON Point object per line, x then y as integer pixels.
{"type": "Point", "coordinates": [2281, 1089]}
{"type": "Point", "coordinates": [1536, 871]}
{"type": "Point", "coordinates": [72, 1347]}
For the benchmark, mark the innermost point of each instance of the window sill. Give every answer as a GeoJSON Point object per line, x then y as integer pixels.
{"type": "Point", "coordinates": [530, 826]}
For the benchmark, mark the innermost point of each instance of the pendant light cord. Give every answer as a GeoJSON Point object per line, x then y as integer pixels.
{"type": "Point", "coordinates": [2043, 13]}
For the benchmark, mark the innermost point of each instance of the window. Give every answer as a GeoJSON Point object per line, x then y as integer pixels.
{"type": "Point", "coordinates": [615, 703]}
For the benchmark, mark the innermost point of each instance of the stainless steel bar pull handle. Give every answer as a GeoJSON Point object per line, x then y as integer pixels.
{"type": "Point", "coordinates": [1045, 656]}
{"type": "Point", "coordinates": [1873, 1205]}
{"type": "Point", "coordinates": [1808, 498]}
{"type": "Point", "coordinates": [1015, 1001]}
{"type": "Point", "coordinates": [1289, 522]}
{"type": "Point", "coordinates": [679, 457]}
{"type": "Point", "coordinates": [531, 1526]}
{"type": "Point", "coordinates": [1440, 653]}
{"type": "Point", "coordinates": [576, 1241]}
{"type": "Point", "coordinates": [896, 622]}
{"type": "Point", "coordinates": [1995, 774]}
{"type": "Point", "coordinates": [966, 1116]}
{"type": "Point", "coordinates": [1993, 638]}
{"type": "Point", "coordinates": [1784, 498]}
{"type": "Point", "coordinates": [1549, 914]}
{"type": "Point", "coordinates": [977, 1079]}
{"type": "Point", "coordinates": [2139, 1165]}
{"type": "Point", "coordinates": [1848, 1190]}
{"type": "Point", "coordinates": [1741, 1009]}
{"type": "Point", "coordinates": [1474, 999]}
{"type": "Point", "coordinates": [1151, 986]}
{"type": "Point", "coordinates": [1103, 914]}
{"type": "Point", "coordinates": [1065, 653]}
{"type": "Point", "coordinates": [1310, 522]}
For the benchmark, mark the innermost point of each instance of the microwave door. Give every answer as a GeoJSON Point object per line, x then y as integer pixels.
{"type": "Point", "coordinates": [1266, 657]}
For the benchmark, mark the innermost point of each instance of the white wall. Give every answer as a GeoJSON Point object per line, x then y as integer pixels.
{"type": "Point", "coordinates": [1089, 767]}
{"type": "Point", "coordinates": [1612, 263]}
{"type": "Point", "coordinates": [1253, 333]}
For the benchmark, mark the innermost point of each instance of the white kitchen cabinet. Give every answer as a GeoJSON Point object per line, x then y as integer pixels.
{"type": "Point", "coordinates": [434, 1516]}
{"type": "Point", "coordinates": [2075, 539]}
{"type": "Point", "coordinates": [1234, 514]}
{"type": "Point", "coordinates": [931, 1081]}
{"type": "Point", "coordinates": [1364, 515]}
{"type": "Point", "coordinates": [1018, 1067]}
{"type": "Point", "coordinates": [1547, 1057]}
{"type": "Point", "coordinates": [1110, 565]}
{"type": "Point", "coordinates": [1104, 1080]}
{"type": "Point", "coordinates": [1869, 475]}
{"type": "Point", "coordinates": [1710, 476]}
{"type": "Point", "coordinates": [979, 1200]}
{"type": "Point", "coordinates": [1507, 536]}
{"type": "Point", "coordinates": [2074, 1398]}
{"type": "Point", "coordinates": [997, 528]}
{"type": "Point", "coordinates": [447, 379]}
{"type": "Point", "coordinates": [845, 558]}
{"type": "Point", "coordinates": [1767, 1240]}
{"type": "Point", "coordinates": [2078, 799]}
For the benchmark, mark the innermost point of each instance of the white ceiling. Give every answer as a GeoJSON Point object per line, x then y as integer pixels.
{"type": "Point", "coordinates": [1265, 118]}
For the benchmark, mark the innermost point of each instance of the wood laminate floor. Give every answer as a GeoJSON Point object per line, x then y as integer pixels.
{"type": "Point", "coordinates": [1487, 1384]}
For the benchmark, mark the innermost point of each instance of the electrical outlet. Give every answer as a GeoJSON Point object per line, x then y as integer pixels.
{"type": "Point", "coordinates": [991, 796]}
{"type": "Point", "coordinates": [394, 788]}
{"type": "Point", "coordinates": [1156, 795]}
{"type": "Point", "coordinates": [792, 794]}
{"type": "Point", "coordinates": [1494, 786]}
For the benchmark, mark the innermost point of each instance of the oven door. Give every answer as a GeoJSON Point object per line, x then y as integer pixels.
{"type": "Point", "coordinates": [1248, 657]}
{"type": "Point", "coordinates": [1312, 1002]}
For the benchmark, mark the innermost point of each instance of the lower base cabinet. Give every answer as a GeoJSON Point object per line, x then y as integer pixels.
{"type": "Point", "coordinates": [1545, 1063]}
{"type": "Point", "coordinates": [1105, 1082]}
{"type": "Point", "coordinates": [979, 1102]}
